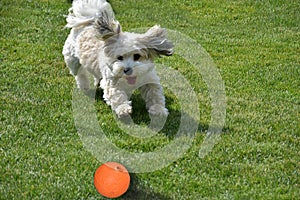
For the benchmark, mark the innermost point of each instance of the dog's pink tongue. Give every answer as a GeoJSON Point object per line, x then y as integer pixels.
{"type": "Point", "coordinates": [131, 80]}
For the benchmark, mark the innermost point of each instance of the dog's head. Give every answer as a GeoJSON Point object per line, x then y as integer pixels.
{"type": "Point", "coordinates": [131, 55]}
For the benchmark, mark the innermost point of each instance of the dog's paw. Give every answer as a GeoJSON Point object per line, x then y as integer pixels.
{"type": "Point", "coordinates": [123, 110]}
{"type": "Point", "coordinates": [158, 110]}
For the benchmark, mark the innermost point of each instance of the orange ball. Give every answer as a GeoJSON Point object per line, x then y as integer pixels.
{"type": "Point", "coordinates": [111, 179]}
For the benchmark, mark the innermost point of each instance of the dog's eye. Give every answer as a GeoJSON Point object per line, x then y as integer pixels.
{"type": "Point", "coordinates": [120, 58]}
{"type": "Point", "coordinates": [136, 57]}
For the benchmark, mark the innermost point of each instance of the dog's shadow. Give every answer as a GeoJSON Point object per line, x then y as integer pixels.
{"type": "Point", "coordinates": [140, 115]}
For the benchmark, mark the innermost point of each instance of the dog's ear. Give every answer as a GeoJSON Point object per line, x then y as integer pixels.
{"type": "Point", "coordinates": [106, 25]}
{"type": "Point", "coordinates": [155, 39]}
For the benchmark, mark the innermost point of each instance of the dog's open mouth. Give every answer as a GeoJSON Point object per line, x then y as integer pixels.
{"type": "Point", "coordinates": [131, 80]}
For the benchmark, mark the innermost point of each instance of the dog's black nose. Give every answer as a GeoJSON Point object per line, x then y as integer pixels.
{"type": "Point", "coordinates": [128, 71]}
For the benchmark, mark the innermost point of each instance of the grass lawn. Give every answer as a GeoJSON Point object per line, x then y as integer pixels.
{"type": "Point", "coordinates": [254, 44]}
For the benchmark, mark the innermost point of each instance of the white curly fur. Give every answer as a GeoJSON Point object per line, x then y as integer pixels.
{"type": "Point", "coordinates": [120, 61]}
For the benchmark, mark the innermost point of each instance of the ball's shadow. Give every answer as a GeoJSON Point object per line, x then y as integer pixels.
{"type": "Point", "coordinates": [136, 192]}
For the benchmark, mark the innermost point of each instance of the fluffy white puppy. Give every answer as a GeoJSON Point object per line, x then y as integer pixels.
{"type": "Point", "coordinates": [120, 61]}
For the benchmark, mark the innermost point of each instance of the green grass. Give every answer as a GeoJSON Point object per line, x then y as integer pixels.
{"type": "Point", "coordinates": [255, 45]}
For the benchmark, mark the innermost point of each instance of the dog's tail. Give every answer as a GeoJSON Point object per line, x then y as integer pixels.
{"type": "Point", "coordinates": [84, 12]}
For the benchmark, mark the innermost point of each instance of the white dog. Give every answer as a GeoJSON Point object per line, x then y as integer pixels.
{"type": "Point", "coordinates": [120, 61]}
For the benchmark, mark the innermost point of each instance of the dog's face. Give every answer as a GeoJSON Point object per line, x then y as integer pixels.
{"type": "Point", "coordinates": [131, 55]}
{"type": "Point", "coordinates": [127, 57]}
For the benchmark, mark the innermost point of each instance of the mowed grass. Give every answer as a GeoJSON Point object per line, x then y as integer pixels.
{"type": "Point", "coordinates": [255, 45]}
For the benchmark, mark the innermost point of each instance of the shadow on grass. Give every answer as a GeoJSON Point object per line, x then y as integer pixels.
{"type": "Point", "coordinates": [135, 192]}
{"type": "Point", "coordinates": [140, 115]}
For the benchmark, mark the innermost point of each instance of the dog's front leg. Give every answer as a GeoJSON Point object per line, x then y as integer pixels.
{"type": "Point", "coordinates": [118, 100]}
{"type": "Point", "coordinates": [155, 99]}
